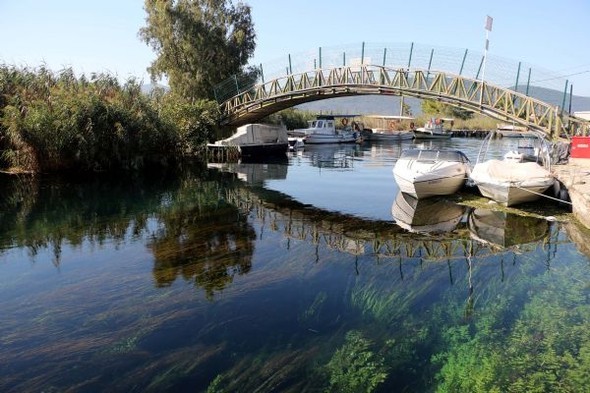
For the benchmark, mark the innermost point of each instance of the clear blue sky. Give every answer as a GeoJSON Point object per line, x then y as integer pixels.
{"type": "Point", "coordinates": [98, 36]}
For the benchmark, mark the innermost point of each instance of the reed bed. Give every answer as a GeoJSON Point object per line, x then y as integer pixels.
{"type": "Point", "coordinates": [52, 122]}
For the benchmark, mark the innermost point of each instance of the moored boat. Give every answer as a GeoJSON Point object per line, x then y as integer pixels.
{"type": "Point", "coordinates": [426, 173]}
{"type": "Point", "coordinates": [380, 134]}
{"type": "Point", "coordinates": [388, 128]}
{"type": "Point", "coordinates": [433, 129]}
{"type": "Point", "coordinates": [253, 140]}
{"type": "Point", "coordinates": [511, 180]}
{"type": "Point", "coordinates": [323, 130]}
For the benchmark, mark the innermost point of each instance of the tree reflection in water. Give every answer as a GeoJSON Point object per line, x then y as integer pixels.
{"type": "Point", "coordinates": [209, 248]}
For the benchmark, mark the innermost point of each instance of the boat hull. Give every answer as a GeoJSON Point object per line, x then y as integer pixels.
{"type": "Point", "coordinates": [263, 149]}
{"type": "Point", "coordinates": [316, 139]}
{"type": "Point", "coordinates": [427, 179]}
{"type": "Point", "coordinates": [389, 136]}
{"type": "Point", "coordinates": [425, 134]}
{"type": "Point", "coordinates": [512, 194]}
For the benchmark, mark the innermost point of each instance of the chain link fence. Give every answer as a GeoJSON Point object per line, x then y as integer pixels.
{"type": "Point", "coordinates": [520, 76]}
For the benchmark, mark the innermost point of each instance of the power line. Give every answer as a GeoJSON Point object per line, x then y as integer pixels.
{"type": "Point", "coordinates": [560, 77]}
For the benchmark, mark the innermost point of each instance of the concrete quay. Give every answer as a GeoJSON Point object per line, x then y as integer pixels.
{"type": "Point", "coordinates": [575, 177]}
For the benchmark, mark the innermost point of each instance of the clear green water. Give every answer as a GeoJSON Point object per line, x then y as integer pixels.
{"type": "Point", "coordinates": [285, 276]}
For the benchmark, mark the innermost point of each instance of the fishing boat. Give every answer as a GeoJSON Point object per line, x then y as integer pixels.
{"type": "Point", "coordinates": [388, 128]}
{"type": "Point", "coordinates": [433, 215]}
{"type": "Point", "coordinates": [433, 129]}
{"type": "Point", "coordinates": [425, 173]}
{"type": "Point", "coordinates": [323, 130]}
{"type": "Point", "coordinates": [511, 180]}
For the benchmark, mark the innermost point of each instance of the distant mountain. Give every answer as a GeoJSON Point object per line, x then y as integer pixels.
{"type": "Point", "coordinates": [362, 105]}
{"type": "Point", "coordinates": [390, 105]}
{"type": "Point", "coordinates": [147, 88]}
{"type": "Point", "coordinates": [555, 97]}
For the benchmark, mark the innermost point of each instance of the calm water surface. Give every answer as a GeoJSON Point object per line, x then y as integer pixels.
{"type": "Point", "coordinates": [308, 274]}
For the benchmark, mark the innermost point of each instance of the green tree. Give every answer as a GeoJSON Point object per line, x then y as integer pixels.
{"type": "Point", "coordinates": [432, 107]}
{"type": "Point", "coordinates": [437, 108]}
{"type": "Point", "coordinates": [198, 43]}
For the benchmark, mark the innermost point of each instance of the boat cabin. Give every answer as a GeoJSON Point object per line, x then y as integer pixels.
{"type": "Point", "coordinates": [322, 123]}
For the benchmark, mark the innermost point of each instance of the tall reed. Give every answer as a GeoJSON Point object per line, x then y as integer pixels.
{"type": "Point", "coordinates": [57, 121]}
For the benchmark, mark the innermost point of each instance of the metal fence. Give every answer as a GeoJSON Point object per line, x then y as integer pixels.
{"type": "Point", "coordinates": [520, 76]}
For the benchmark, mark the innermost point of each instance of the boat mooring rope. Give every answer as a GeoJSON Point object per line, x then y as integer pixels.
{"type": "Point", "coordinates": [543, 195]}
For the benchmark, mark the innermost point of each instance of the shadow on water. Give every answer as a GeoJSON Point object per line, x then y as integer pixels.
{"type": "Point", "coordinates": [252, 290]}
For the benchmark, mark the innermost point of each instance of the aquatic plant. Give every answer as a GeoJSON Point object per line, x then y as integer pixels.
{"type": "Point", "coordinates": [546, 347]}
{"type": "Point", "coordinates": [355, 367]}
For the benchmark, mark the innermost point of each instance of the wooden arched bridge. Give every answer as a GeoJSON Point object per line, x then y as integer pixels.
{"type": "Point", "coordinates": [265, 98]}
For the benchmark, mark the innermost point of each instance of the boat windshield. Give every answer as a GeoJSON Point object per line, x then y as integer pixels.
{"type": "Point", "coordinates": [434, 155]}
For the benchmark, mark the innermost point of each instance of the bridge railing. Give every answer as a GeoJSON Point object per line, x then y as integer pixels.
{"type": "Point", "coordinates": [522, 77]}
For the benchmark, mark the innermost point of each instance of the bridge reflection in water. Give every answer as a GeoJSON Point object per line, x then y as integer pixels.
{"type": "Point", "coordinates": [430, 230]}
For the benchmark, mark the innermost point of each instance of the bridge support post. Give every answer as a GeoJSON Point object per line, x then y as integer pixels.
{"type": "Point", "coordinates": [528, 83]}
{"type": "Point", "coordinates": [429, 65]}
{"type": "Point", "coordinates": [410, 58]}
{"type": "Point", "coordinates": [517, 76]}
{"type": "Point", "coordinates": [363, 54]}
{"type": "Point", "coordinates": [564, 95]}
{"type": "Point", "coordinates": [463, 62]}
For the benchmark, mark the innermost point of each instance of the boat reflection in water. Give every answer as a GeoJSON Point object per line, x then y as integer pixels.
{"type": "Point", "coordinates": [331, 155]}
{"type": "Point", "coordinates": [432, 215]}
{"type": "Point", "coordinates": [254, 172]}
{"type": "Point", "coordinates": [506, 229]}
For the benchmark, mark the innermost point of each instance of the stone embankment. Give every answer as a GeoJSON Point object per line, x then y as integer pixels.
{"type": "Point", "coordinates": [575, 176]}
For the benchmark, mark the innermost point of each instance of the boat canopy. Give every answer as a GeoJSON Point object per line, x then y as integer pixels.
{"type": "Point", "coordinates": [434, 155]}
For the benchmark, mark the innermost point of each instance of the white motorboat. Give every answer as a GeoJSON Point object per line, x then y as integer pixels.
{"type": "Point", "coordinates": [434, 215]}
{"type": "Point", "coordinates": [433, 129]}
{"type": "Point", "coordinates": [513, 179]}
{"type": "Point", "coordinates": [425, 173]}
{"type": "Point", "coordinates": [323, 130]}
{"type": "Point", "coordinates": [510, 182]}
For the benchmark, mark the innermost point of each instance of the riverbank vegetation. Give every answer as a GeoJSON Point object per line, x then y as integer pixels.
{"type": "Point", "coordinates": [58, 121]}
